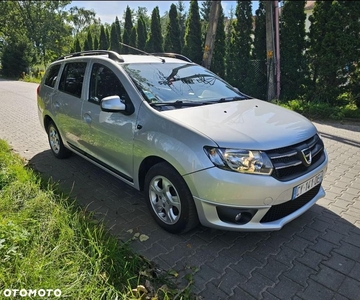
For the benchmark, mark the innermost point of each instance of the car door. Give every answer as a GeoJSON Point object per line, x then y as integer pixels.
{"type": "Point", "coordinates": [67, 101]}
{"type": "Point", "coordinates": [109, 135]}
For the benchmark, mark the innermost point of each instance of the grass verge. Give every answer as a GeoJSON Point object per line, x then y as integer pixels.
{"type": "Point", "coordinates": [47, 242]}
{"type": "Point", "coordinates": [324, 111]}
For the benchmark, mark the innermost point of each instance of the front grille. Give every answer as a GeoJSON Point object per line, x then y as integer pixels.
{"type": "Point", "coordinates": [288, 163]}
{"type": "Point", "coordinates": [282, 210]}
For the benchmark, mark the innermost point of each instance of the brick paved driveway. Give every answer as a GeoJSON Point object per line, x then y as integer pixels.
{"type": "Point", "coordinates": [317, 256]}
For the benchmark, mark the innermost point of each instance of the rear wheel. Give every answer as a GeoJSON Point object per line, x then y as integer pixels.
{"type": "Point", "coordinates": [169, 199]}
{"type": "Point", "coordinates": [56, 145]}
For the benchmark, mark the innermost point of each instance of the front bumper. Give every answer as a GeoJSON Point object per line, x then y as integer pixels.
{"type": "Point", "coordinates": [214, 189]}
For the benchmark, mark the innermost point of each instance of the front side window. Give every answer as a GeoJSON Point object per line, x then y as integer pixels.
{"type": "Point", "coordinates": [52, 75]}
{"type": "Point", "coordinates": [72, 78]}
{"type": "Point", "coordinates": [104, 83]}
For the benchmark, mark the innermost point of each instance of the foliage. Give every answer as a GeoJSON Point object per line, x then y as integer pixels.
{"type": "Point", "coordinates": [240, 47]}
{"type": "Point", "coordinates": [321, 110]}
{"type": "Point", "coordinates": [127, 30]}
{"type": "Point", "coordinates": [141, 33]}
{"type": "Point", "coordinates": [182, 15]}
{"type": "Point", "coordinates": [259, 54]}
{"type": "Point", "coordinates": [15, 59]}
{"type": "Point", "coordinates": [77, 47]}
{"type": "Point", "coordinates": [192, 45]}
{"type": "Point", "coordinates": [218, 58]}
{"type": "Point", "coordinates": [334, 47]}
{"type": "Point", "coordinates": [73, 251]}
{"type": "Point", "coordinates": [155, 42]}
{"type": "Point", "coordinates": [292, 43]}
{"type": "Point", "coordinates": [96, 43]}
{"type": "Point", "coordinates": [79, 18]}
{"type": "Point", "coordinates": [88, 44]}
{"type": "Point", "coordinates": [114, 38]}
{"type": "Point", "coordinates": [172, 40]}
{"type": "Point", "coordinates": [133, 38]}
{"type": "Point", "coordinates": [104, 42]}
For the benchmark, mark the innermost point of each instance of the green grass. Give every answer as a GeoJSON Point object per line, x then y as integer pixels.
{"type": "Point", "coordinates": [325, 111]}
{"type": "Point", "coordinates": [47, 242]}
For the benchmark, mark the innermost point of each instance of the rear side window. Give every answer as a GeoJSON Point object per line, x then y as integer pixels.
{"type": "Point", "coordinates": [72, 78]}
{"type": "Point", "coordinates": [52, 75]}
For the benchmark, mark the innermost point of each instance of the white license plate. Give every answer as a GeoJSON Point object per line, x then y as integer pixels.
{"type": "Point", "coordinates": [307, 185]}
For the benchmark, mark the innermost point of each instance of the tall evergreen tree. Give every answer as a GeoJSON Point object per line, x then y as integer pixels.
{"type": "Point", "coordinates": [334, 46]}
{"type": "Point", "coordinates": [114, 38]}
{"type": "Point", "coordinates": [172, 37]}
{"type": "Point", "coordinates": [118, 29]}
{"type": "Point", "coordinates": [127, 30]}
{"type": "Point", "coordinates": [88, 45]}
{"type": "Point", "coordinates": [218, 58]}
{"type": "Point", "coordinates": [292, 45]}
{"type": "Point", "coordinates": [192, 46]}
{"type": "Point", "coordinates": [182, 21]}
{"type": "Point", "coordinates": [240, 47]}
{"type": "Point", "coordinates": [132, 41]}
{"type": "Point", "coordinates": [77, 46]}
{"type": "Point", "coordinates": [103, 43]}
{"type": "Point", "coordinates": [96, 43]}
{"type": "Point", "coordinates": [141, 34]}
{"type": "Point", "coordinates": [154, 42]}
{"type": "Point", "coordinates": [259, 52]}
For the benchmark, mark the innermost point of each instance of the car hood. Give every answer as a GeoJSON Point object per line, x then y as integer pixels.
{"type": "Point", "coordinates": [247, 124]}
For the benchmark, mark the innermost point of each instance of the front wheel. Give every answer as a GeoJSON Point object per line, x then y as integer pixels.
{"type": "Point", "coordinates": [55, 141]}
{"type": "Point", "coordinates": [169, 199]}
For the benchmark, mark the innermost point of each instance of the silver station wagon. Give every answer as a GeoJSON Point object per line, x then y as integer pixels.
{"type": "Point", "coordinates": [201, 150]}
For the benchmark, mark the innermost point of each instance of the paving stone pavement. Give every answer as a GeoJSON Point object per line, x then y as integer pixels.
{"type": "Point", "coordinates": [316, 256]}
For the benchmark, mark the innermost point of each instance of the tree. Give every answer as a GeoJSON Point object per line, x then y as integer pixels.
{"type": "Point", "coordinates": [182, 20]}
{"type": "Point", "coordinates": [96, 43]}
{"type": "Point", "coordinates": [292, 45]}
{"type": "Point", "coordinates": [259, 52]}
{"type": "Point", "coordinates": [41, 22]}
{"type": "Point", "coordinates": [114, 38]}
{"type": "Point", "coordinates": [80, 18]}
{"type": "Point", "coordinates": [218, 58]}
{"type": "Point", "coordinates": [77, 47]}
{"type": "Point", "coordinates": [15, 58]}
{"type": "Point", "coordinates": [133, 38]}
{"type": "Point", "coordinates": [104, 43]}
{"type": "Point", "coordinates": [239, 68]}
{"type": "Point", "coordinates": [154, 42]}
{"type": "Point", "coordinates": [141, 34]}
{"type": "Point", "coordinates": [192, 46]}
{"type": "Point", "coordinates": [172, 37]}
{"type": "Point", "coordinates": [127, 30]}
{"type": "Point", "coordinates": [88, 45]}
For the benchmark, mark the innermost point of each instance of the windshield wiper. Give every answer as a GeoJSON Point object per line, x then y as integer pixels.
{"type": "Point", "coordinates": [229, 99]}
{"type": "Point", "coordinates": [178, 103]}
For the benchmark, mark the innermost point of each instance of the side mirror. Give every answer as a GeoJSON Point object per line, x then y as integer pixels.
{"type": "Point", "coordinates": [112, 104]}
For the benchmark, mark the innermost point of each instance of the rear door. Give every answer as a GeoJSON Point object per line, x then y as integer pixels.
{"type": "Point", "coordinates": [67, 101]}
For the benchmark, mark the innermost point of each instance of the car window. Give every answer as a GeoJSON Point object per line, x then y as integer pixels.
{"type": "Point", "coordinates": [52, 75]}
{"type": "Point", "coordinates": [72, 78]}
{"type": "Point", "coordinates": [104, 83]}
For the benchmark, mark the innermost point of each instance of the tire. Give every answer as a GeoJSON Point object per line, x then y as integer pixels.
{"type": "Point", "coordinates": [56, 145]}
{"type": "Point", "coordinates": [169, 199]}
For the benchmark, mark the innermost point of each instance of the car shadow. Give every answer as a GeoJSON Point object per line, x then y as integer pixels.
{"type": "Point", "coordinates": [221, 263]}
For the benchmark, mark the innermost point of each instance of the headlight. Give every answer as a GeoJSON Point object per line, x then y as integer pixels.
{"type": "Point", "coordinates": [243, 161]}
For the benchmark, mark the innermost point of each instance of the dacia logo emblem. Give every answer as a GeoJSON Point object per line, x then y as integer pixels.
{"type": "Point", "coordinates": [306, 157]}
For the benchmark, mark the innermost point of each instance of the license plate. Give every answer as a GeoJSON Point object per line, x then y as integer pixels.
{"type": "Point", "coordinates": [307, 185]}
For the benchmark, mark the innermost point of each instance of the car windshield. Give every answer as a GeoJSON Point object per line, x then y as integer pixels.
{"type": "Point", "coordinates": [186, 83]}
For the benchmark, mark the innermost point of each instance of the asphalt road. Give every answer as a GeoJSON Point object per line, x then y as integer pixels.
{"type": "Point", "coordinates": [316, 256]}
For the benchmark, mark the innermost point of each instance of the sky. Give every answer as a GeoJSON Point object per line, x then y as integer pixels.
{"type": "Point", "coordinates": [108, 10]}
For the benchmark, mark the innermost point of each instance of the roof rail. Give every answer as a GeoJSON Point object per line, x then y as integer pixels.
{"type": "Point", "coordinates": [172, 55]}
{"type": "Point", "coordinates": [112, 54]}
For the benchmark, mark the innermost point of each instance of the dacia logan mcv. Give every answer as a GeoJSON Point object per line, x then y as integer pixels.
{"type": "Point", "coordinates": [201, 150]}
